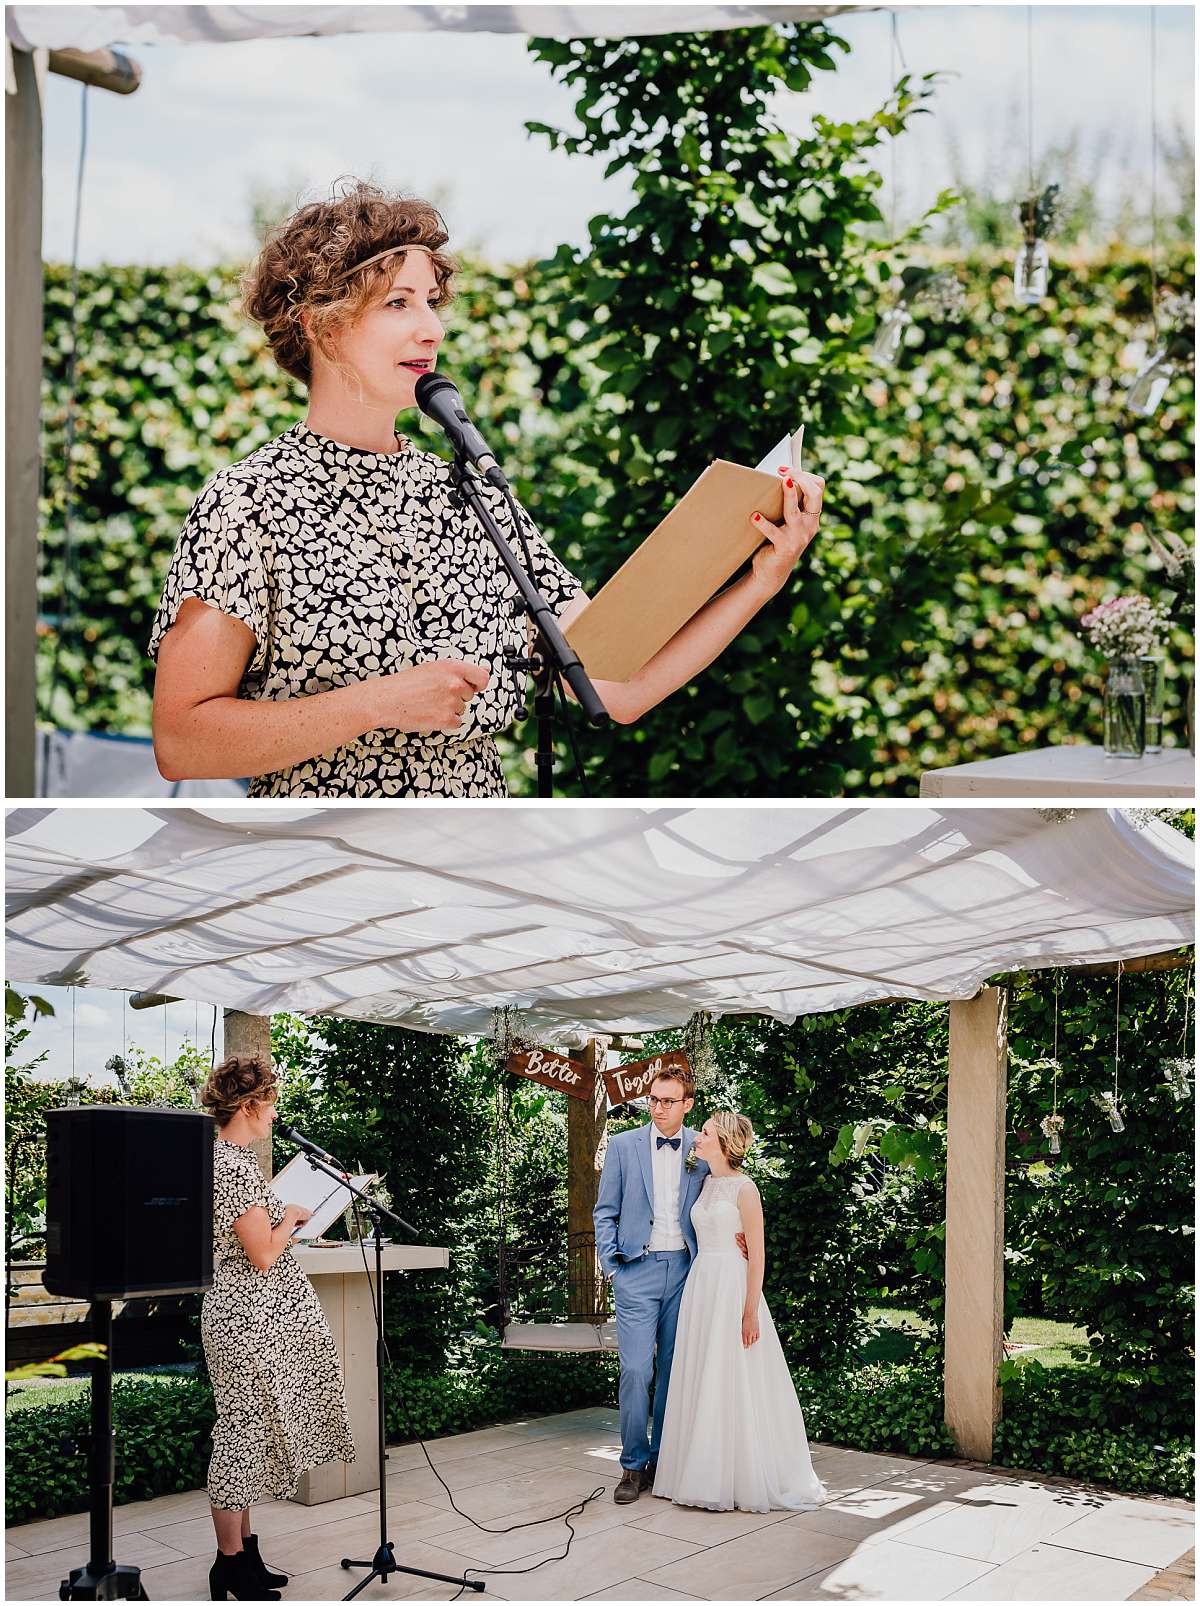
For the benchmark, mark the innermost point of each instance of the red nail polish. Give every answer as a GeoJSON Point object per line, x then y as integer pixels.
{"type": "Point", "coordinates": [789, 483]}
{"type": "Point", "coordinates": [758, 518]}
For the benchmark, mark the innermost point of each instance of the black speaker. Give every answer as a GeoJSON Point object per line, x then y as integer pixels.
{"type": "Point", "coordinates": [129, 1201]}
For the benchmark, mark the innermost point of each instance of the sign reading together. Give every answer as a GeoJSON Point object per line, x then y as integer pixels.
{"type": "Point", "coordinates": [554, 1070]}
{"type": "Point", "coordinates": [634, 1081]}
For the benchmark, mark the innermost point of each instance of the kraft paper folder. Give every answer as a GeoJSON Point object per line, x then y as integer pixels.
{"type": "Point", "coordinates": [681, 565]}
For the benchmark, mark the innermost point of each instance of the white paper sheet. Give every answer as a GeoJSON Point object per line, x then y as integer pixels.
{"type": "Point", "coordinates": [301, 1183]}
{"type": "Point", "coordinates": [787, 451]}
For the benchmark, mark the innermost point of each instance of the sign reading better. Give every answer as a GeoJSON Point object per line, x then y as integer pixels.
{"type": "Point", "coordinates": [554, 1070]}
{"type": "Point", "coordinates": [634, 1081]}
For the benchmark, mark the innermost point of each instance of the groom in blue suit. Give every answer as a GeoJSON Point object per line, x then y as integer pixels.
{"type": "Point", "coordinates": [645, 1244]}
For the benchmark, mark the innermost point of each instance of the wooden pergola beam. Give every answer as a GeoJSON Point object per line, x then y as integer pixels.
{"type": "Point", "coordinates": [25, 89]}
{"type": "Point", "coordinates": [24, 115]}
{"type": "Point", "coordinates": [246, 1036]}
{"type": "Point", "coordinates": [975, 1123]}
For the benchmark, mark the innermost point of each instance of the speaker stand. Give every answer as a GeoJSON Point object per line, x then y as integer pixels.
{"type": "Point", "coordinates": [102, 1578]}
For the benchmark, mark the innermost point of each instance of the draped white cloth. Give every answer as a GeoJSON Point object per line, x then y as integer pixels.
{"type": "Point", "coordinates": [587, 918]}
{"type": "Point", "coordinates": [97, 27]}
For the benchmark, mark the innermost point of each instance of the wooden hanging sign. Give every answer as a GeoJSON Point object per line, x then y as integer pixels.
{"type": "Point", "coordinates": [634, 1081]}
{"type": "Point", "coordinates": [554, 1070]}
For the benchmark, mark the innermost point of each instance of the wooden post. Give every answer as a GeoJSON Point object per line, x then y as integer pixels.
{"type": "Point", "coordinates": [247, 1035]}
{"type": "Point", "coordinates": [587, 1136]}
{"type": "Point", "coordinates": [975, 1219]}
{"type": "Point", "coordinates": [25, 88]}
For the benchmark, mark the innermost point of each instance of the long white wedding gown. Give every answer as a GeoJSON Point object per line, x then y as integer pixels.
{"type": "Point", "coordinates": [733, 1435]}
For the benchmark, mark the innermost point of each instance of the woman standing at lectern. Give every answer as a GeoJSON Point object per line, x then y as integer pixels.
{"type": "Point", "coordinates": [276, 1377]}
{"type": "Point", "coordinates": [334, 623]}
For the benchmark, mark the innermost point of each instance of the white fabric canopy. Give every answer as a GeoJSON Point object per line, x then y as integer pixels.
{"type": "Point", "coordinates": [97, 27]}
{"type": "Point", "coordinates": [586, 918]}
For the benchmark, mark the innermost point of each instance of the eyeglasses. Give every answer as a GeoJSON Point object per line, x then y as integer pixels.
{"type": "Point", "coordinates": [663, 1104]}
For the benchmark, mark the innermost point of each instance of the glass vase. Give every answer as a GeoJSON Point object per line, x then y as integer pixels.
{"type": "Point", "coordinates": [1153, 677]}
{"type": "Point", "coordinates": [1031, 273]}
{"type": "Point", "coordinates": [1124, 710]}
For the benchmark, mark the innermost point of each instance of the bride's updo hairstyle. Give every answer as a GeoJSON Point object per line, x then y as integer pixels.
{"type": "Point", "coordinates": [234, 1083]}
{"type": "Point", "coordinates": [735, 1135]}
{"type": "Point", "coordinates": [334, 259]}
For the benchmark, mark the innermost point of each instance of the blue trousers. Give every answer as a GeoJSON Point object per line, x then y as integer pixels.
{"type": "Point", "coordinates": [647, 1294]}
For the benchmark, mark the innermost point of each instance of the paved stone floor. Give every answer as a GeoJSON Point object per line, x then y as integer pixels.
{"type": "Point", "coordinates": [893, 1528]}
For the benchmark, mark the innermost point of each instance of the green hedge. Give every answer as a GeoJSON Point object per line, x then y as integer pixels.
{"type": "Point", "coordinates": [902, 647]}
{"type": "Point", "coordinates": [1055, 1422]}
{"type": "Point", "coordinates": [164, 1424]}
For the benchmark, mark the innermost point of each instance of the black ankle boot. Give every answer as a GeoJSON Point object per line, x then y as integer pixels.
{"type": "Point", "coordinates": [236, 1575]}
{"type": "Point", "coordinates": [266, 1577]}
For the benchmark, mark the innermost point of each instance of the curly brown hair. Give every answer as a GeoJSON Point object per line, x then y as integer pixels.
{"type": "Point", "coordinates": [308, 265]}
{"type": "Point", "coordinates": [236, 1082]}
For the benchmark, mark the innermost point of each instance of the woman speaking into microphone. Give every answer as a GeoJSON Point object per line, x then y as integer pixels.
{"type": "Point", "coordinates": [276, 1378]}
{"type": "Point", "coordinates": [334, 622]}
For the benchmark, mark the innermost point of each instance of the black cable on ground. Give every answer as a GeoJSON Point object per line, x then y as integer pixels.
{"type": "Point", "coordinates": [558, 1516]}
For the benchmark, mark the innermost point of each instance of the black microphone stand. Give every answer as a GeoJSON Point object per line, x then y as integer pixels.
{"type": "Point", "coordinates": [384, 1562]}
{"type": "Point", "coordinates": [554, 657]}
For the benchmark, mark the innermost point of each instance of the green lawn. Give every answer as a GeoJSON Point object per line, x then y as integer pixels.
{"type": "Point", "coordinates": [27, 1394]}
{"type": "Point", "coordinates": [894, 1335]}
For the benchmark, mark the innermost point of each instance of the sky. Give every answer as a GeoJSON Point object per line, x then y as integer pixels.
{"type": "Point", "coordinates": [171, 170]}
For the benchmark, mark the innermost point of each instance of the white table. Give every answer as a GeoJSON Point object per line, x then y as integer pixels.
{"type": "Point", "coordinates": [337, 1275]}
{"type": "Point", "coordinates": [1073, 770]}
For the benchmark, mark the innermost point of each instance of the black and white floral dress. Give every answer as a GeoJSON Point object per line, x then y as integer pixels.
{"type": "Point", "coordinates": [276, 1377]}
{"type": "Point", "coordinates": [348, 564]}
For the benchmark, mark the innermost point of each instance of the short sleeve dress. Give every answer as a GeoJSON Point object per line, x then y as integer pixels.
{"type": "Point", "coordinates": [276, 1378]}
{"type": "Point", "coordinates": [347, 564]}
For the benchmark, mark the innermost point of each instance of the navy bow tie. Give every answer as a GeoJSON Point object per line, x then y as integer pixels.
{"type": "Point", "coordinates": [672, 1143]}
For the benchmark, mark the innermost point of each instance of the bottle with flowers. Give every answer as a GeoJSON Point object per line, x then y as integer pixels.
{"type": "Point", "coordinates": [1126, 630]}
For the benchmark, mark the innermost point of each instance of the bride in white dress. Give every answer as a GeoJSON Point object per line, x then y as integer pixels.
{"type": "Point", "coordinates": [733, 1436]}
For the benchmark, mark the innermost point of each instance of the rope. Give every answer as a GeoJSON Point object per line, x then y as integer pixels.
{"type": "Point", "coordinates": [66, 603]}
{"type": "Point", "coordinates": [1154, 173]}
{"type": "Point", "coordinates": [502, 1206]}
{"type": "Point", "coordinates": [1057, 988]}
{"type": "Point", "coordinates": [892, 153]}
{"type": "Point", "coordinates": [1117, 1038]}
{"type": "Point", "coordinates": [1029, 88]}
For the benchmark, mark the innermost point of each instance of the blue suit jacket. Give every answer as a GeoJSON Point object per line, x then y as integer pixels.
{"type": "Point", "coordinates": [624, 1213]}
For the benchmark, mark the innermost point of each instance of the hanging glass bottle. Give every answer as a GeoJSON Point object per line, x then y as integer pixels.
{"type": "Point", "coordinates": [1108, 1103]}
{"type": "Point", "coordinates": [889, 336]}
{"type": "Point", "coordinates": [1124, 710]}
{"type": "Point", "coordinates": [1031, 273]}
{"type": "Point", "coordinates": [1150, 385]}
{"type": "Point", "coordinates": [1037, 215]}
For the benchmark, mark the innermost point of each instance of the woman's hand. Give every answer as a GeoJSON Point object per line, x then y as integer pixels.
{"type": "Point", "coordinates": [749, 1328]}
{"type": "Point", "coordinates": [773, 563]}
{"type": "Point", "coordinates": [432, 697]}
{"type": "Point", "coordinates": [295, 1216]}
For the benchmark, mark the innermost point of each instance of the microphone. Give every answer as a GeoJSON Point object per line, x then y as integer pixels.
{"type": "Point", "coordinates": [308, 1146]}
{"type": "Point", "coordinates": [438, 398]}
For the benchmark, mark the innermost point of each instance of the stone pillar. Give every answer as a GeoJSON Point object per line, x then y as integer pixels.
{"type": "Point", "coordinates": [587, 1137]}
{"type": "Point", "coordinates": [23, 103]}
{"type": "Point", "coordinates": [975, 1219]}
{"type": "Point", "coordinates": [246, 1035]}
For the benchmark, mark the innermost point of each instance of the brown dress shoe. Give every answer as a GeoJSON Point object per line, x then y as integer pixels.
{"type": "Point", "coordinates": [629, 1487]}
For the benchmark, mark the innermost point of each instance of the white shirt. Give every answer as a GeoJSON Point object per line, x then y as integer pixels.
{"type": "Point", "coordinates": [667, 1166]}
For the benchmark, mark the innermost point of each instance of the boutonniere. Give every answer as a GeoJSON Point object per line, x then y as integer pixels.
{"type": "Point", "coordinates": [689, 1163]}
